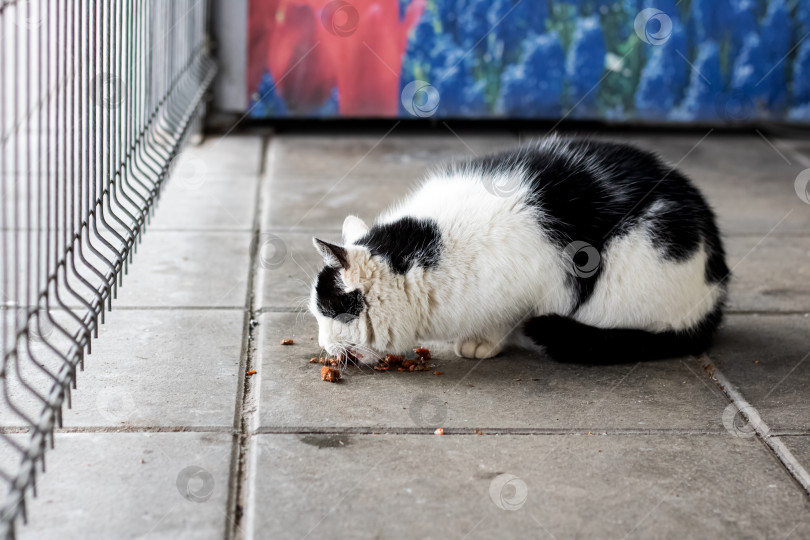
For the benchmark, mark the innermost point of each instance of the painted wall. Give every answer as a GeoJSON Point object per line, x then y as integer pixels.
{"type": "Point", "coordinates": [652, 60]}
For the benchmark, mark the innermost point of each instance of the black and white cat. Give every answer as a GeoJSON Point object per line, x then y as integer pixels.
{"type": "Point", "coordinates": [598, 252]}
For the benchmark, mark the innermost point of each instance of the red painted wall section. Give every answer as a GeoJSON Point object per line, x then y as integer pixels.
{"type": "Point", "coordinates": [309, 46]}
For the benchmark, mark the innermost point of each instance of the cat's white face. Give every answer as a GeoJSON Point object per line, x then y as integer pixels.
{"type": "Point", "coordinates": [344, 293]}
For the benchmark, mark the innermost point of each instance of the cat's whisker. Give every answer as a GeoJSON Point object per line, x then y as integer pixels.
{"type": "Point", "coordinates": [306, 284]}
{"type": "Point", "coordinates": [369, 355]}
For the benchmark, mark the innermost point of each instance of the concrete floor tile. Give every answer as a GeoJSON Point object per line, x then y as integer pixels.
{"type": "Point", "coordinates": [188, 269]}
{"type": "Point", "coordinates": [132, 485]}
{"type": "Point", "coordinates": [316, 181]}
{"type": "Point", "coordinates": [199, 203]}
{"type": "Point", "coordinates": [221, 157]}
{"type": "Point", "coordinates": [162, 368]}
{"type": "Point", "coordinates": [769, 274]}
{"type": "Point", "coordinates": [518, 390]}
{"type": "Point", "coordinates": [799, 446]}
{"type": "Point", "coordinates": [767, 357]}
{"type": "Point", "coordinates": [426, 486]}
{"type": "Point", "coordinates": [288, 263]}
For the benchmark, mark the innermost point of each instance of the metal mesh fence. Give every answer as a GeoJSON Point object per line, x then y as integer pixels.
{"type": "Point", "coordinates": [96, 99]}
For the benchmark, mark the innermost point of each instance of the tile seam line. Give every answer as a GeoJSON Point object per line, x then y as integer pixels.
{"type": "Point", "coordinates": [236, 480]}
{"type": "Point", "coordinates": [490, 431]}
{"type": "Point", "coordinates": [772, 441]}
{"type": "Point", "coordinates": [12, 430]}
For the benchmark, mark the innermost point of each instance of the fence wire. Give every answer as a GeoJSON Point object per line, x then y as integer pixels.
{"type": "Point", "coordinates": [96, 99]}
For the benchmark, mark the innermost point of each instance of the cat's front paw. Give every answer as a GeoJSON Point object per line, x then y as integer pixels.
{"type": "Point", "coordinates": [477, 349]}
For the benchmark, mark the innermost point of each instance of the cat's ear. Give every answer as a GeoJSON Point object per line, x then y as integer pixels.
{"type": "Point", "coordinates": [354, 229]}
{"type": "Point", "coordinates": [332, 255]}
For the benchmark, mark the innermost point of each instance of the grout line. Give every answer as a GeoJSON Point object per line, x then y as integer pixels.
{"type": "Point", "coordinates": [755, 234]}
{"type": "Point", "coordinates": [127, 429]}
{"type": "Point", "coordinates": [167, 308]}
{"type": "Point", "coordinates": [270, 309]}
{"type": "Point", "coordinates": [782, 453]}
{"type": "Point", "coordinates": [246, 402]}
{"type": "Point", "coordinates": [303, 230]}
{"type": "Point", "coordinates": [377, 430]}
{"type": "Point", "coordinates": [743, 312]}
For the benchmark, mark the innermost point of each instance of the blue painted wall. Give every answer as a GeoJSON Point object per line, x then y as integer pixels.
{"type": "Point", "coordinates": [650, 60]}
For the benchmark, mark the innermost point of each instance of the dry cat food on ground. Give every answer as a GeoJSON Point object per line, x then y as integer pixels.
{"type": "Point", "coordinates": [330, 374]}
{"type": "Point", "coordinates": [391, 361]}
{"type": "Point", "coordinates": [252, 372]}
{"type": "Point", "coordinates": [287, 342]}
{"type": "Point", "coordinates": [402, 365]}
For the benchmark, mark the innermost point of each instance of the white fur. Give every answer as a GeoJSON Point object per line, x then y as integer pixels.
{"type": "Point", "coordinates": [498, 268]}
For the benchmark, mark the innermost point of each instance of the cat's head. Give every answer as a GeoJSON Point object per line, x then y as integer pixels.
{"type": "Point", "coordinates": [356, 298]}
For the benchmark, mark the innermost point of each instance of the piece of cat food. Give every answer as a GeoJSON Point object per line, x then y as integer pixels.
{"type": "Point", "coordinates": [252, 372]}
{"type": "Point", "coordinates": [404, 365]}
{"type": "Point", "coordinates": [330, 374]}
{"type": "Point", "coordinates": [394, 359]}
{"type": "Point", "coordinates": [287, 342]}
{"type": "Point", "coordinates": [438, 373]}
{"type": "Point", "coordinates": [439, 431]}
{"type": "Point", "coordinates": [313, 360]}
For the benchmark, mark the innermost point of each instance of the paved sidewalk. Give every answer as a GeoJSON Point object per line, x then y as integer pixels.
{"type": "Point", "coordinates": [169, 437]}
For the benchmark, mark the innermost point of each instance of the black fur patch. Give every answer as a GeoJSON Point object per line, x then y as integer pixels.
{"type": "Point", "coordinates": [592, 192]}
{"type": "Point", "coordinates": [567, 340]}
{"type": "Point", "coordinates": [333, 301]}
{"type": "Point", "coordinates": [406, 242]}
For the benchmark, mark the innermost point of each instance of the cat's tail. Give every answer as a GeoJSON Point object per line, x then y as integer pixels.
{"type": "Point", "coordinates": [567, 340]}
